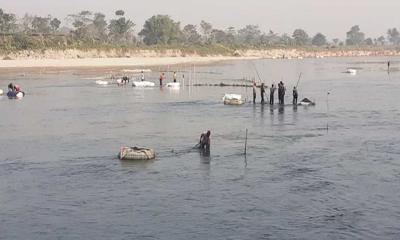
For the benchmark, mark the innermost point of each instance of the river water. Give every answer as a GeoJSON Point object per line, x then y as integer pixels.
{"type": "Point", "coordinates": [326, 172]}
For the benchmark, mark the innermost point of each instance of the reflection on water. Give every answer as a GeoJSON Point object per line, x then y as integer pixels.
{"type": "Point", "coordinates": [60, 178]}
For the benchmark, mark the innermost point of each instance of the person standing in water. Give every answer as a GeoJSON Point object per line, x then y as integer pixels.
{"type": "Point", "coordinates": [295, 95]}
{"type": "Point", "coordinates": [174, 77]}
{"type": "Point", "coordinates": [142, 76]}
{"type": "Point", "coordinates": [388, 64]}
{"type": "Point", "coordinates": [205, 141]}
{"type": "Point", "coordinates": [254, 92]}
{"type": "Point", "coordinates": [262, 91]}
{"type": "Point", "coordinates": [271, 94]}
{"type": "Point", "coordinates": [281, 93]}
{"type": "Point", "coordinates": [161, 78]}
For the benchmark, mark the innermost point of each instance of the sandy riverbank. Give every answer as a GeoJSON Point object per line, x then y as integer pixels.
{"type": "Point", "coordinates": [117, 58]}
{"type": "Point", "coordinates": [110, 62]}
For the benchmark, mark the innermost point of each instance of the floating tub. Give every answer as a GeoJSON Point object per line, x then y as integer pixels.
{"type": "Point", "coordinates": [136, 153]}
{"type": "Point", "coordinates": [143, 84]}
{"type": "Point", "coordinates": [233, 99]}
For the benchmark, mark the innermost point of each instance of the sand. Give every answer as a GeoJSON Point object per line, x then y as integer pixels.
{"type": "Point", "coordinates": [110, 62]}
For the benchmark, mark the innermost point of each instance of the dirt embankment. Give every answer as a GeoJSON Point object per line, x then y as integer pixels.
{"type": "Point", "coordinates": [269, 53]}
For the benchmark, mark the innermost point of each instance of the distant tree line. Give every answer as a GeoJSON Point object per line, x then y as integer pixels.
{"type": "Point", "coordinates": [93, 29]}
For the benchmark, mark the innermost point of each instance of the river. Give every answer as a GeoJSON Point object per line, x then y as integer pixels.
{"type": "Point", "coordinates": [326, 172]}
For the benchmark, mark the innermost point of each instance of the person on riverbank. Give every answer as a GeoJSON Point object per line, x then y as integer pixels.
{"type": "Point", "coordinates": [295, 95]}
{"type": "Point", "coordinates": [174, 77]}
{"type": "Point", "coordinates": [254, 92]}
{"type": "Point", "coordinates": [262, 91]}
{"type": "Point", "coordinates": [271, 94]}
{"type": "Point", "coordinates": [205, 140]}
{"type": "Point", "coordinates": [162, 76]}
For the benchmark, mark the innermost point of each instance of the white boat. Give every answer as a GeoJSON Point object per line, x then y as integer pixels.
{"type": "Point", "coordinates": [173, 85]}
{"type": "Point", "coordinates": [1, 92]}
{"type": "Point", "coordinates": [143, 84]}
{"type": "Point", "coordinates": [351, 71]}
{"type": "Point", "coordinates": [102, 82]}
{"type": "Point", "coordinates": [233, 99]}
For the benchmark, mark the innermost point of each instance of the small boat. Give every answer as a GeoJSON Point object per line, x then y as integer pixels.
{"type": "Point", "coordinates": [102, 82]}
{"type": "Point", "coordinates": [1, 92]}
{"type": "Point", "coordinates": [233, 99]}
{"type": "Point", "coordinates": [351, 71]}
{"type": "Point", "coordinates": [306, 102]}
{"type": "Point", "coordinates": [173, 85]}
{"type": "Point", "coordinates": [136, 153]}
{"type": "Point", "coordinates": [143, 84]}
{"type": "Point", "coordinates": [15, 95]}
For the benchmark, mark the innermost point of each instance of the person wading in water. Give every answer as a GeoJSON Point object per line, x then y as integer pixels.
{"type": "Point", "coordinates": [161, 78]}
{"type": "Point", "coordinates": [271, 94]}
{"type": "Point", "coordinates": [262, 90]}
{"type": "Point", "coordinates": [254, 92]}
{"type": "Point", "coordinates": [295, 95]}
{"type": "Point", "coordinates": [205, 140]}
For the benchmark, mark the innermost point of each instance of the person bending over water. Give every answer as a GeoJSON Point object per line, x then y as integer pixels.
{"type": "Point", "coordinates": [205, 140]}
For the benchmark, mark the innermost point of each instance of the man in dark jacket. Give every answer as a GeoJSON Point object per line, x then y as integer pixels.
{"type": "Point", "coordinates": [205, 140]}
{"type": "Point", "coordinates": [295, 95]}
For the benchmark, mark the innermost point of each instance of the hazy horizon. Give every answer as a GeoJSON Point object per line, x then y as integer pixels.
{"type": "Point", "coordinates": [333, 18]}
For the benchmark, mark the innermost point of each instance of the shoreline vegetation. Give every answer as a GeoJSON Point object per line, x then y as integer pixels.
{"type": "Point", "coordinates": [122, 57]}
{"type": "Point", "coordinates": [91, 39]}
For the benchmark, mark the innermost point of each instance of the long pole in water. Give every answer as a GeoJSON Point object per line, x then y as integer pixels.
{"type": "Point", "coordinates": [298, 81]}
{"type": "Point", "coordinates": [327, 110]}
{"type": "Point", "coordinates": [259, 78]}
{"type": "Point", "coordinates": [245, 144]}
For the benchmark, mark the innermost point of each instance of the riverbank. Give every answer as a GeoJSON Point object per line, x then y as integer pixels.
{"type": "Point", "coordinates": [122, 58]}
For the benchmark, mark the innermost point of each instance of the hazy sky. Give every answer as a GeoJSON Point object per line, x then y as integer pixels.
{"type": "Point", "coordinates": [331, 17]}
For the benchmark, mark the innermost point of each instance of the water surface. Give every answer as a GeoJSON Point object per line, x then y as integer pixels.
{"type": "Point", "coordinates": [60, 178]}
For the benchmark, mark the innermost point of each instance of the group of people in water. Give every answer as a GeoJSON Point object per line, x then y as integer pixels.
{"type": "Point", "coordinates": [162, 77]}
{"type": "Point", "coordinates": [281, 93]}
{"type": "Point", "coordinates": [14, 90]}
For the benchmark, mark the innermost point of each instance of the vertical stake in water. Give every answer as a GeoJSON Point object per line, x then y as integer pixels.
{"type": "Point", "coordinates": [245, 144]}
{"type": "Point", "coordinates": [327, 111]}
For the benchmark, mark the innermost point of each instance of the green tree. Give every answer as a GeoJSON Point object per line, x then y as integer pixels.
{"type": "Point", "coordinates": [81, 23]}
{"type": "Point", "coordinates": [41, 25]}
{"type": "Point", "coordinates": [250, 34]}
{"type": "Point", "coordinates": [55, 24]}
{"type": "Point", "coordinates": [355, 36]}
{"type": "Point", "coordinates": [98, 27]}
{"type": "Point", "coordinates": [160, 29]}
{"type": "Point", "coordinates": [218, 36]}
{"type": "Point", "coordinates": [89, 26]}
{"type": "Point", "coordinates": [380, 41]}
{"type": "Point", "coordinates": [336, 41]}
{"type": "Point", "coordinates": [369, 42]}
{"type": "Point", "coordinates": [393, 36]}
{"type": "Point", "coordinates": [286, 40]}
{"type": "Point", "coordinates": [121, 28]}
{"type": "Point", "coordinates": [231, 35]}
{"type": "Point", "coordinates": [190, 34]}
{"type": "Point", "coordinates": [319, 40]}
{"type": "Point", "coordinates": [7, 22]}
{"type": "Point", "coordinates": [206, 29]}
{"type": "Point", "coordinates": [300, 37]}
